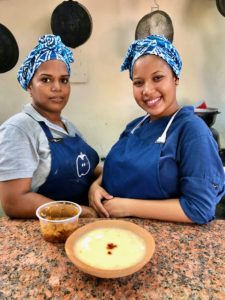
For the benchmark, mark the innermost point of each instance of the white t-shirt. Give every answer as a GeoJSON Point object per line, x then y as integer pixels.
{"type": "Point", "coordinates": [24, 148]}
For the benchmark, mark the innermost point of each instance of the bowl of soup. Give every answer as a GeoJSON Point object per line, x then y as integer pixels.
{"type": "Point", "coordinates": [110, 248]}
{"type": "Point", "coordinates": [58, 219]}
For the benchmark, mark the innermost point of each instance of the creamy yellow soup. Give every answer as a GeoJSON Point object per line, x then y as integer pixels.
{"type": "Point", "coordinates": [110, 248]}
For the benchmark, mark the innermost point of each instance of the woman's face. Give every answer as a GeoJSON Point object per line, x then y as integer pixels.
{"type": "Point", "coordinates": [154, 86]}
{"type": "Point", "coordinates": [50, 87]}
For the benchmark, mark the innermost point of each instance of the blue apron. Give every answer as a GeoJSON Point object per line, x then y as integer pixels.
{"type": "Point", "coordinates": [72, 165]}
{"type": "Point", "coordinates": [131, 169]}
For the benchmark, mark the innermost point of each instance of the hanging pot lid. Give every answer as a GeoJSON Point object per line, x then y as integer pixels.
{"type": "Point", "coordinates": [9, 51]}
{"type": "Point", "coordinates": [156, 22]}
{"type": "Point", "coordinates": [221, 6]}
{"type": "Point", "coordinates": [72, 22]}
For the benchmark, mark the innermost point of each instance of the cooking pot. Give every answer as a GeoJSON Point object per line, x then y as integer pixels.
{"type": "Point", "coordinates": [72, 22]}
{"type": "Point", "coordinates": [207, 114]}
{"type": "Point", "coordinates": [9, 51]}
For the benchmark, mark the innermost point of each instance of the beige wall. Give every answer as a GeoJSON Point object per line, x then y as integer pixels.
{"type": "Point", "coordinates": [101, 100]}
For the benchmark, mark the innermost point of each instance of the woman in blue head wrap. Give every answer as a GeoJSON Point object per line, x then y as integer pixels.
{"type": "Point", "coordinates": [165, 164]}
{"type": "Point", "coordinates": [43, 156]}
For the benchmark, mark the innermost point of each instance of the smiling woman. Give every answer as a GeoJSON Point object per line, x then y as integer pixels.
{"type": "Point", "coordinates": [166, 162]}
{"type": "Point", "coordinates": [161, 79]}
{"type": "Point", "coordinates": [43, 157]}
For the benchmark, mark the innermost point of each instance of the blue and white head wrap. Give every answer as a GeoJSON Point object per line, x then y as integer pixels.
{"type": "Point", "coordinates": [153, 44]}
{"type": "Point", "coordinates": [49, 47]}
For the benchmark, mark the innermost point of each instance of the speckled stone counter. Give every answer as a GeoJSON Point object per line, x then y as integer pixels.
{"type": "Point", "coordinates": [188, 263]}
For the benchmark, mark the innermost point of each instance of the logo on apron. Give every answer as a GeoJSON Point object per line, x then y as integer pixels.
{"type": "Point", "coordinates": [82, 164]}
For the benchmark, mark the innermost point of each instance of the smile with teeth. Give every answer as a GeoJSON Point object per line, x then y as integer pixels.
{"type": "Point", "coordinates": [153, 101]}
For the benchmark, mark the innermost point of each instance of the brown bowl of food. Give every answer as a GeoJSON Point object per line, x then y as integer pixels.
{"type": "Point", "coordinates": [58, 219]}
{"type": "Point", "coordinates": [110, 248]}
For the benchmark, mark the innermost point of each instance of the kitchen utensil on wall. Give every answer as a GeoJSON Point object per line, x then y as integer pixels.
{"type": "Point", "coordinates": [156, 22]}
{"type": "Point", "coordinates": [72, 22]}
{"type": "Point", "coordinates": [9, 51]}
{"type": "Point", "coordinates": [221, 6]}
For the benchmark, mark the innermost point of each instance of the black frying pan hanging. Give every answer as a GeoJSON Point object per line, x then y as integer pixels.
{"type": "Point", "coordinates": [221, 6]}
{"type": "Point", "coordinates": [9, 51]}
{"type": "Point", "coordinates": [72, 22]}
{"type": "Point", "coordinates": [156, 22]}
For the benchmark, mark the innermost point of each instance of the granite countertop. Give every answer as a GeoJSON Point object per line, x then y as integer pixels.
{"type": "Point", "coordinates": [188, 263]}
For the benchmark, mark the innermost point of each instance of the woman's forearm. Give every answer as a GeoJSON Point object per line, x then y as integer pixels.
{"type": "Point", "coordinates": [25, 205]}
{"type": "Point", "coordinates": [17, 199]}
{"type": "Point", "coordinates": [167, 210]}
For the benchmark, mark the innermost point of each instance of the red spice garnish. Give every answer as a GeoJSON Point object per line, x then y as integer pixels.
{"type": "Point", "coordinates": [111, 246]}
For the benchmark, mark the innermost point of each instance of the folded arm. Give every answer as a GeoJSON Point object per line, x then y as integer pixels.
{"type": "Point", "coordinates": [108, 206]}
{"type": "Point", "coordinates": [19, 202]}
{"type": "Point", "coordinates": [17, 199]}
{"type": "Point", "coordinates": [166, 210]}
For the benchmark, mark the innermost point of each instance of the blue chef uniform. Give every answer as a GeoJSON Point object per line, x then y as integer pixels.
{"type": "Point", "coordinates": [72, 166]}
{"type": "Point", "coordinates": [168, 158]}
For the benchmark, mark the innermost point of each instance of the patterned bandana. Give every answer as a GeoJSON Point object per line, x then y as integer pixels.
{"type": "Point", "coordinates": [153, 44]}
{"type": "Point", "coordinates": [50, 47]}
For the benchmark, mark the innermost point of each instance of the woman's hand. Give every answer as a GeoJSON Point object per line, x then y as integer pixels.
{"type": "Point", "coordinates": [117, 207]}
{"type": "Point", "coordinates": [166, 210]}
{"type": "Point", "coordinates": [96, 195]}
